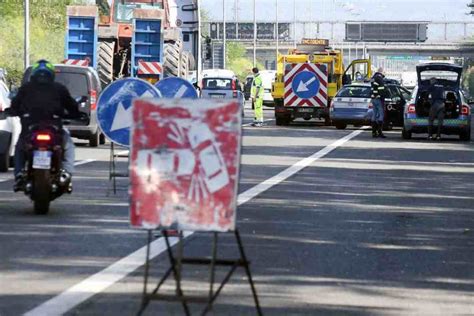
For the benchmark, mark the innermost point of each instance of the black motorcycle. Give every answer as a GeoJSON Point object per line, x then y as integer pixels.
{"type": "Point", "coordinates": [43, 178]}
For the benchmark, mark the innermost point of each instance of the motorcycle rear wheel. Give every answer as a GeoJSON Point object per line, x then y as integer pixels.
{"type": "Point", "coordinates": [41, 194]}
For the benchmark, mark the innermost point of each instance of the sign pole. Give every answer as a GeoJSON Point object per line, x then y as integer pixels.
{"type": "Point", "coordinates": [277, 33]}
{"type": "Point", "coordinates": [27, 34]}
{"type": "Point", "coordinates": [224, 36]}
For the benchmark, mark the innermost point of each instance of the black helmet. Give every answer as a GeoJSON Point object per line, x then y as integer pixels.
{"type": "Point", "coordinates": [255, 70]}
{"type": "Point", "coordinates": [42, 71]}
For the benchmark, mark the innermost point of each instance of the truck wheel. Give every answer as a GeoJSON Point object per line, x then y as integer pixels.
{"type": "Point", "coordinates": [172, 59]}
{"type": "Point", "coordinates": [41, 191]}
{"type": "Point", "coordinates": [465, 135]}
{"type": "Point", "coordinates": [94, 139]}
{"type": "Point", "coordinates": [105, 65]}
{"type": "Point", "coordinates": [5, 158]}
{"type": "Point", "coordinates": [406, 134]}
{"type": "Point", "coordinates": [281, 121]}
{"type": "Point", "coordinates": [341, 125]}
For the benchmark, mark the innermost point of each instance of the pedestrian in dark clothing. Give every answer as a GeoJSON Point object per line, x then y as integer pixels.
{"type": "Point", "coordinates": [437, 109]}
{"type": "Point", "coordinates": [378, 94]}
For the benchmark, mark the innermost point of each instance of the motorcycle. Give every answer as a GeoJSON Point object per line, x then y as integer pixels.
{"type": "Point", "coordinates": [43, 178]}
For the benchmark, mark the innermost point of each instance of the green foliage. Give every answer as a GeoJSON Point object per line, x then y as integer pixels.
{"type": "Point", "coordinates": [237, 62]}
{"type": "Point", "coordinates": [47, 31]}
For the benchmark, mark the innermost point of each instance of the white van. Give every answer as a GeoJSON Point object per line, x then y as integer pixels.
{"type": "Point", "coordinates": [268, 78]}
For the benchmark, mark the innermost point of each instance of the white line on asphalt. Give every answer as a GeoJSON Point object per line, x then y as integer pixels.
{"type": "Point", "coordinates": [98, 282]}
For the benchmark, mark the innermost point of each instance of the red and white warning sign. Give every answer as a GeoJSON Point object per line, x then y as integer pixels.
{"type": "Point", "coordinates": [185, 160]}
{"type": "Point", "coordinates": [149, 68]}
{"type": "Point", "coordinates": [77, 62]}
{"type": "Point", "coordinates": [306, 85]}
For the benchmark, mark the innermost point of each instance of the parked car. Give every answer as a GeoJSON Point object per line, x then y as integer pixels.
{"type": "Point", "coordinates": [223, 87]}
{"type": "Point", "coordinates": [82, 82]}
{"type": "Point", "coordinates": [352, 105]}
{"type": "Point", "coordinates": [458, 111]}
{"type": "Point", "coordinates": [268, 78]}
{"type": "Point", "coordinates": [10, 130]}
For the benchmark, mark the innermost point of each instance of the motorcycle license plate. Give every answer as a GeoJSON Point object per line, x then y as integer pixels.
{"type": "Point", "coordinates": [41, 159]}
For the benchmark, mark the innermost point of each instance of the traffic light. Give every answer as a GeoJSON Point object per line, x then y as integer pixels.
{"type": "Point", "coordinates": [208, 48]}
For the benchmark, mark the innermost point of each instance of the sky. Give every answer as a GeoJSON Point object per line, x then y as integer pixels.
{"type": "Point", "coordinates": [386, 10]}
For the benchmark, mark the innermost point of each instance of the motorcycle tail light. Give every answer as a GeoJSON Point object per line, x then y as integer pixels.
{"type": "Point", "coordinates": [43, 137]}
{"type": "Point", "coordinates": [465, 110]}
{"type": "Point", "coordinates": [411, 109]}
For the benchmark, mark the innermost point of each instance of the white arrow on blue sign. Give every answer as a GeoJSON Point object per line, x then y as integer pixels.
{"type": "Point", "coordinates": [175, 87]}
{"type": "Point", "coordinates": [114, 107]}
{"type": "Point", "coordinates": [305, 85]}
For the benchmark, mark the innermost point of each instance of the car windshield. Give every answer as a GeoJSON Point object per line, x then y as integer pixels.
{"type": "Point", "coordinates": [217, 83]}
{"type": "Point", "coordinates": [123, 11]}
{"type": "Point", "coordinates": [75, 82]}
{"type": "Point", "coordinates": [354, 92]}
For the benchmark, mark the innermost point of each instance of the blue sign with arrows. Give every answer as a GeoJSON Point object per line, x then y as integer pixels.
{"type": "Point", "coordinates": [114, 107]}
{"type": "Point", "coordinates": [175, 87]}
{"type": "Point", "coordinates": [305, 85]}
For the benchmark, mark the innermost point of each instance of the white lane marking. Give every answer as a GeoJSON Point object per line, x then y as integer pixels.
{"type": "Point", "coordinates": [248, 124]}
{"type": "Point", "coordinates": [98, 282]}
{"type": "Point", "coordinates": [77, 163]}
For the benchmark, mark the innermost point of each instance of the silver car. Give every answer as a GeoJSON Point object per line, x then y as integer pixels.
{"type": "Point", "coordinates": [223, 87]}
{"type": "Point", "coordinates": [351, 105]}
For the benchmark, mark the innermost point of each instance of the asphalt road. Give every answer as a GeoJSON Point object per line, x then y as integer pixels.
{"type": "Point", "coordinates": [374, 227]}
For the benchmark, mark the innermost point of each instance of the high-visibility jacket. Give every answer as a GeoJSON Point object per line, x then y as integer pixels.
{"type": "Point", "coordinates": [377, 86]}
{"type": "Point", "coordinates": [257, 83]}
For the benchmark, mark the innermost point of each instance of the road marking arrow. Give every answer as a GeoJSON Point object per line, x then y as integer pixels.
{"type": "Point", "coordinates": [303, 86]}
{"type": "Point", "coordinates": [122, 118]}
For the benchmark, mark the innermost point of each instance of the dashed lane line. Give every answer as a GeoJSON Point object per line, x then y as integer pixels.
{"type": "Point", "coordinates": [100, 281]}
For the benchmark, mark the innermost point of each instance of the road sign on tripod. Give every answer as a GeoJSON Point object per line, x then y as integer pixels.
{"type": "Point", "coordinates": [175, 87]}
{"type": "Point", "coordinates": [114, 107]}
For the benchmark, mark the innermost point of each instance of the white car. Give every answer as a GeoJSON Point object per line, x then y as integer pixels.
{"type": "Point", "coordinates": [268, 78]}
{"type": "Point", "coordinates": [10, 129]}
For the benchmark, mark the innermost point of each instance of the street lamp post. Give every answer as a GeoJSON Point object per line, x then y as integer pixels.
{"type": "Point", "coordinates": [254, 33]}
{"type": "Point", "coordinates": [224, 36]}
{"type": "Point", "coordinates": [26, 52]}
{"type": "Point", "coordinates": [277, 32]}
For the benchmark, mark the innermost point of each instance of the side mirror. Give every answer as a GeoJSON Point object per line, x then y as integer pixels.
{"type": "Point", "coordinates": [13, 93]}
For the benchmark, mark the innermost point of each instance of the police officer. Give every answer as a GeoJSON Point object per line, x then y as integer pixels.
{"type": "Point", "coordinates": [437, 109]}
{"type": "Point", "coordinates": [41, 100]}
{"type": "Point", "coordinates": [257, 97]}
{"type": "Point", "coordinates": [378, 94]}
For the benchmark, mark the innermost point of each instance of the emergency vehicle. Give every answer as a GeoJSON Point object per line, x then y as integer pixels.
{"type": "Point", "coordinates": [309, 77]}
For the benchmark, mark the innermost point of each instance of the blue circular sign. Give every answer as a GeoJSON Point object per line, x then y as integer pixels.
{"type": "Point", "coordinates": [175, 87]}
{"type": "Point", "coordinates": [114, 107]}
{"type": "Point", "coordinates": [305, 85]}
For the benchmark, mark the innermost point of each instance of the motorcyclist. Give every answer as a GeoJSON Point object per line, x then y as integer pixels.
{"type": "Point", "coordinates": [42, 100]}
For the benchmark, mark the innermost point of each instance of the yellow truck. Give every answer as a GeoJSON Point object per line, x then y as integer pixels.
{"type": "Point", "coordinates": [307, 79]}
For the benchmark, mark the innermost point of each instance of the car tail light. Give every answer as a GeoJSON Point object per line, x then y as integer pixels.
{"type": "Point", "coordinates": [93, 95]}
{"type": "Point", "coordinates": [411, 109]}
{"type": "Point", "coordinates": [1, 106]}
{"type": "Point", "coordinates": [465, 110]}
{"type": "Point", "coordinates": [234, 85]}
{"type": "Point", "coordinates": [234, 93]}
{"type": "Point", "coordinates": [43, 137]}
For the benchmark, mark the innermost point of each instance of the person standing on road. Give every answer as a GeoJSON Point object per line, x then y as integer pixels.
{"type": "Point", "coordinates": [257, 97]}
{"type": "Point", "coordinates": [437, 109]}
{"type": "Point", "coordinates": [378, 94]}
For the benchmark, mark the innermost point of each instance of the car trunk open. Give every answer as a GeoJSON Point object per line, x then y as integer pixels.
{"type": "Point", "coordinates": [449, 76]}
